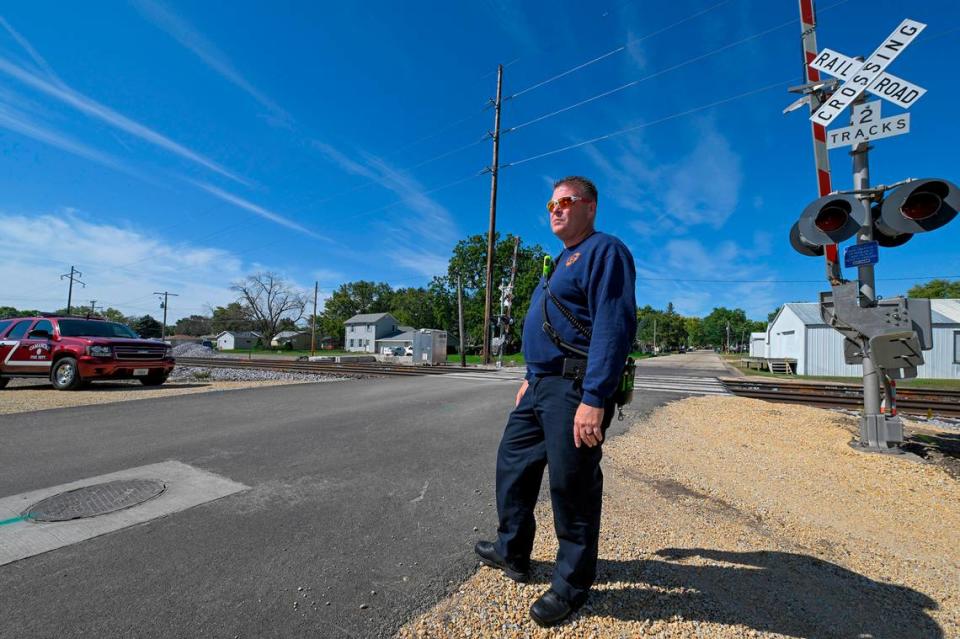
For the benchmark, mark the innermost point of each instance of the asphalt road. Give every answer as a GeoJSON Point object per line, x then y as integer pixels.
{"type": "Point", "coordinates": [367, 495]}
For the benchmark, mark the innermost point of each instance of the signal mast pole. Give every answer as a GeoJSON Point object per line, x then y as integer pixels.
{"type": "Point", "coordinates": [808, 35]}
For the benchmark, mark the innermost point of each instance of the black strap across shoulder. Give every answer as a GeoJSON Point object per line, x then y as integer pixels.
{"type": "Point", "coordinates": [551, 331]}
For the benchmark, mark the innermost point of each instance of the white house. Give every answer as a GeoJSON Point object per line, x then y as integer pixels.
{"type": "Point", "coordinates": [363, 331]}
{"type": "Point", "coordinates": [798, 332]}
{"type": "Point", "coordinates": [233, 340]}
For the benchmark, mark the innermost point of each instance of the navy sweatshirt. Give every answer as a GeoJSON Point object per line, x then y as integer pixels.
{"type": "Point", "coordinates": [595, 281]}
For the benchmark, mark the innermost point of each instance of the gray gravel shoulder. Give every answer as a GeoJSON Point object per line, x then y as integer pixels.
{"type": "Point", "coordinates": [732, 517]}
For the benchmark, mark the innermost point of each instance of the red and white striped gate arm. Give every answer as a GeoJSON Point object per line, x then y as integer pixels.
{"type": "Point", "coordinates": [808, 26]}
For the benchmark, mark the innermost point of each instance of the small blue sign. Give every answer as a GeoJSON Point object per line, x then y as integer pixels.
{"type": "Point", "coordinates": [861, 254]}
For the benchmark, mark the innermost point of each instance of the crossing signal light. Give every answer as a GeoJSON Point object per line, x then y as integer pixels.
{"type": "Point", "coordinates": [831, 219]}
{"type": "Point", "coordinates": [919, 206]}
{"type": "Point", "coordinates": [800, 245]}
{"type": "Point", "coordinates": [882, 235]}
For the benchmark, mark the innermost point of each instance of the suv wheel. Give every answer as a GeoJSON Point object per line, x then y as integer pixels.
{"type": "Point", "coordinates": [65, 375]}
{"type": "Point", "coordinates": [4, 381]}
{"type": "Point", "coordinates": [154, 379]}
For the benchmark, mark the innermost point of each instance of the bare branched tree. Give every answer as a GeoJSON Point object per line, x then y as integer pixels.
{"type": "Point", "coordinates": [269, 300]}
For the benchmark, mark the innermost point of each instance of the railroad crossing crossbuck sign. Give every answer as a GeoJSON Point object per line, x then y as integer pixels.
{"type": "Point", "coordinates": [868, 76]}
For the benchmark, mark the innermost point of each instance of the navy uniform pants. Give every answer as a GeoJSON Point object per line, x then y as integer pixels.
{"type": "Point", "coordinates": [539, 433]}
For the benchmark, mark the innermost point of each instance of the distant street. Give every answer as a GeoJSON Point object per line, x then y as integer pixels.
{"type": "Point", "coordinates": [365, 500]}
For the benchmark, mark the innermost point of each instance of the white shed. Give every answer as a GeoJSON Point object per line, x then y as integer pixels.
{"type": "Point", "coordinates": [798, 332]}
{"type": "Point", "coordinates": [235, 340]}
{"type": "Point", "coordinates": [758, 345]}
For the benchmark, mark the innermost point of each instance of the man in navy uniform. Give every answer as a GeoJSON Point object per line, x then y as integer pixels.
{"type": "Point", "coordinates": [586, 303]}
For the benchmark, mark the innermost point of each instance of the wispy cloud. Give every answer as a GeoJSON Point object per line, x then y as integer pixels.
{"type": "Point", "coordinates": [14, 120]}
{"type": "Point", "coordinates": [94, 109]}
{"type": "Point", "coordinates": [701, 187]}
{"type": "Point", "coordinates": [121, 266]}
{"type": "Point", "coordinates": [38, 59]}
{"type": "Point", "coordinates": [257, 210]}
{"type": "Point", "coordinates": [184, 33]}
{"type": "Point", "coordinates": [426, 251]}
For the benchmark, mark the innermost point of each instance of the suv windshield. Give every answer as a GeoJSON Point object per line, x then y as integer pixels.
{"type": "Point", "coordinates": [94, 328]}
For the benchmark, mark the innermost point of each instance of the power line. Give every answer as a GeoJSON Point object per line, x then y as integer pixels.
{"type": "Point", "coordinates": [656, 74]}
{"type": "Point", "coordinates": [567, 72]}
{"type": "Point", "coordinates": [622, 47]}
{"type": "Point", "coordinates": [648, 124]}
{"type": "Point", "coordinates": [439, 131]}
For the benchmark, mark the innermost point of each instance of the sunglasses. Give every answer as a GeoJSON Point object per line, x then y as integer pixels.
{"type": "Point", "coordinates": [564, 202]}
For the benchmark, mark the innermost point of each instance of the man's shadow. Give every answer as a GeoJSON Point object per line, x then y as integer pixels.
{"type": "Point", "coordinates": [786, 593]}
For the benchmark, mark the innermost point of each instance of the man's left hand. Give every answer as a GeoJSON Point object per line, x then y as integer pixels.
{"type": "Point", "coordinates": [586, 426]}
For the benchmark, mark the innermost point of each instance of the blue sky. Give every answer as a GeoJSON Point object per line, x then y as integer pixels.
{"type": "Point", "coordinates": [180, 146]}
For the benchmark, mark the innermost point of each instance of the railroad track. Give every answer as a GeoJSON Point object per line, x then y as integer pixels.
{"type": "Point", "coordinates": [355, 369]}
{"type": "Point", "coordinates": [914, 401]}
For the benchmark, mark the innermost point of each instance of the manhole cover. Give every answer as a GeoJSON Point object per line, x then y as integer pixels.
{"type": "Point", "coordinates": [90, 501]}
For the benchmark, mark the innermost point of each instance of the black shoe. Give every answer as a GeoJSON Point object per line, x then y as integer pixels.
{"type": "Point", "coordinates": [489, 556]}
{"type": "Point", "coordinates": [551, 609]}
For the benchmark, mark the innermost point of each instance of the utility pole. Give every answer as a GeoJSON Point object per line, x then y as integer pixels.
{"type": "Point", "coordinates": [313, 322]}
{"type": "Point", "coordinates": [491, 233]}
{"type": "Point", "coordinates": [728, 336]}
{"type": "Point", "coordinates": [93, 307]}
{"type": "Point", "coordinates": [463, 354]}
{"type": "Point", "coordinates": [73, 272]}
{"type": "Point", "coordinates": [654, 335]}
{"type": "Point", "coordinates": [166, 294]}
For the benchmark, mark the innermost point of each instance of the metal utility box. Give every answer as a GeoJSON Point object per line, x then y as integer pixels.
{"type": "Point", "coordinates": [429, 346]}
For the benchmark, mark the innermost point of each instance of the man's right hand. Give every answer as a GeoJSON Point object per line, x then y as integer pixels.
{"type": "Point", "coordinates": [523, 389]}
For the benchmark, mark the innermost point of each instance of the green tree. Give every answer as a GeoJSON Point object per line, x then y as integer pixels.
{"type": "Point", "coordinates": [469, 261]}
{"type": "Point", "coordinates": [351, 299]}
{"type": "Point", "coordinates": [695, 336]}
{"type": "Point", "coordinates": [414, 307]}
{"type": "Point", "coordinates": [195, 325]}
{"type": "Point", "coordinates": [666, 329]}
{"type": "Point", "coordinates": [146, 326]}
{"type": "Point", "coordinates": [232, 317]}
{"type": "Point", "coordinates": [113, 315]}
{"type": "Point", "coordinates": [936, 289]}
{"type": "Point", "coordinates": [715, 327]}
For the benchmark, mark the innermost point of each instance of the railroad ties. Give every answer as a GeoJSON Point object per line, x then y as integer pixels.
{"type": "Point", "coordinates": [915, 401]}
{"type": "Point", "coordinates": [355, 369]}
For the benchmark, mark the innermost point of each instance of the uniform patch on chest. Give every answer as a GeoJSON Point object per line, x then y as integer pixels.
{"type": "Point", "coordinates": [573, 258]}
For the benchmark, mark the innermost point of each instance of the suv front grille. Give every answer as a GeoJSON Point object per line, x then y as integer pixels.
{"type": "Point", "coordinates": [139, 352]}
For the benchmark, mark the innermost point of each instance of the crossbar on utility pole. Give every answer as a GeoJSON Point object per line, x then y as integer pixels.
{"type": "Point", "coordinates": [73, 272]}
{"type": "Point", "coordinates": [166, 295]}
{"type": "Point", "coordinates": [491, 233]}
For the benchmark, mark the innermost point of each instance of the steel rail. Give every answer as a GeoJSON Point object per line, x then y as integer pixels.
{"type": "Point", "coordinates": [927, 401]}
{"type": "Point", "coordinates": [840, 387]}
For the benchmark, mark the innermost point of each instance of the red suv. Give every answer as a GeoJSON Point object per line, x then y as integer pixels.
{"type": "Point", "coordinates": [74, 350]}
